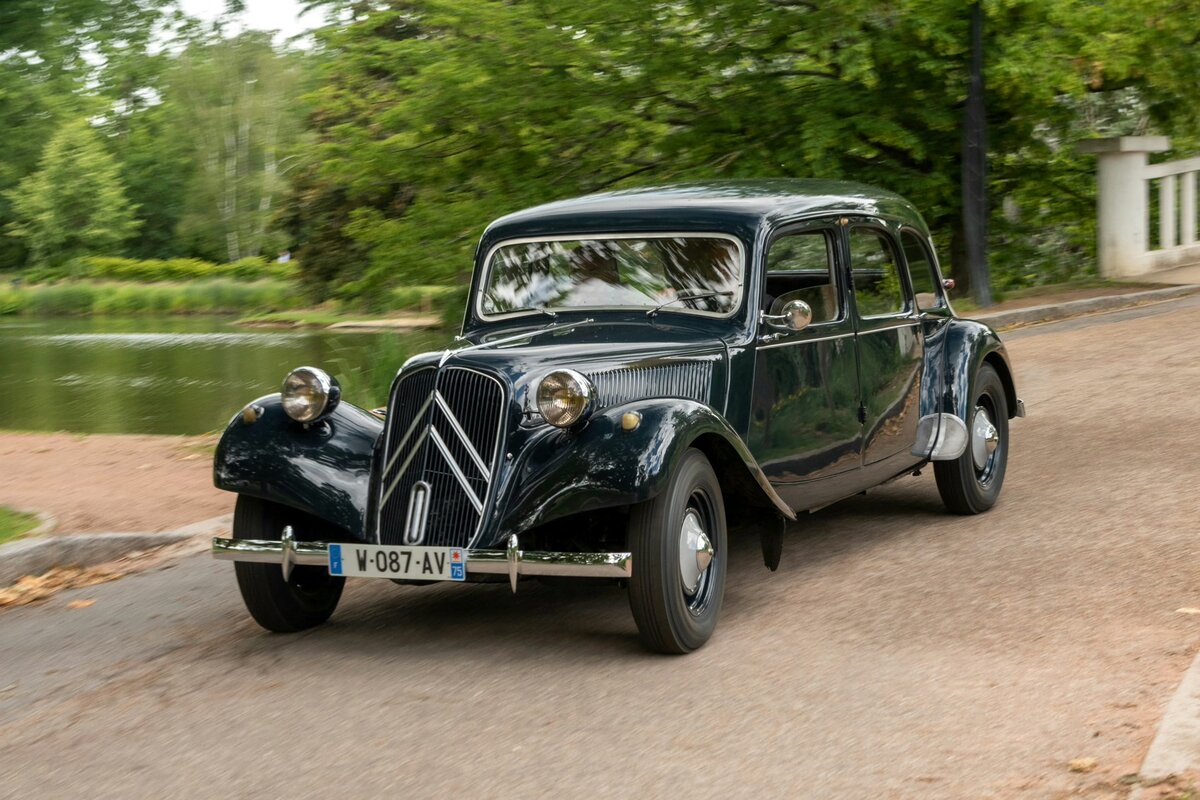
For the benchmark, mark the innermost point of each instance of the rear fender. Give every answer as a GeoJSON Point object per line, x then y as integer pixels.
{"type": "Point", "coordinates": [962, 348]}
{"type": "Point", "coordinates": [969, 345]}
{"type": "Point", "coordinates": [323, 469]}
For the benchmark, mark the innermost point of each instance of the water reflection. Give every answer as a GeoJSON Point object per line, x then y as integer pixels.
{"type": "Point", "coordinates": [175, 375]}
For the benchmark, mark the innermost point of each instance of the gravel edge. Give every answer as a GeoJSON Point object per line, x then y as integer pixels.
{"type": "Point", "coordinates": [1002, 320]}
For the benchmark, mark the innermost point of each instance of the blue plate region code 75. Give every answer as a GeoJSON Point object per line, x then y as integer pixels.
{"type": "Point", "coordinates": [387, 561]}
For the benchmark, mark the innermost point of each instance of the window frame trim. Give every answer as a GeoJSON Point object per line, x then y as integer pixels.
{"type": "Point", "coordinates": [489, 266]}
{"type": "Point", "coordinates": [880, 228]}
{"type": "Point", "coordinates": [939, 288]}
{"type": "Point", "coordinates": [829, 229]}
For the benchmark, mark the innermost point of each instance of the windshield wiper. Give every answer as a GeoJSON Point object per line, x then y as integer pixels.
{"type": "Point", "coordinates": [537, 309]}
{"type": "Point", "coordinates": [695, 296]}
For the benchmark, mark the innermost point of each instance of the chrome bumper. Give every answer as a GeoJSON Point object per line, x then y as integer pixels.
{"type": "Point", "coordinates": [512, 561]}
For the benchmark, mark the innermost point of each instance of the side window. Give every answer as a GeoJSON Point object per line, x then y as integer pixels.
{"type": "Point", "coordinates": [800, 267]}
{"type": "Point", "coordinates": [877, 288]}
{"type": "Point", "coordinates": [921, 272]}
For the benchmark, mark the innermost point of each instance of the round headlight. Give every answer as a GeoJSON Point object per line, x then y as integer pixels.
{"type": "Point", "coordinates": [564, 397]}
{"type": "Point", "coordinates": [309, 393]}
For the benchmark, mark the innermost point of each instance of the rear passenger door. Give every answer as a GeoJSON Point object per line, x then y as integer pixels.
{"type": "Point", "coordinates": [804, 422]}
{"type": "Point", "coordinates": [890, 342]}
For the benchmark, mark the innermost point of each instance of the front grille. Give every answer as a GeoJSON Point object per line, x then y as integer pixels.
{"type": "Point", "coordinates": [443, 431]}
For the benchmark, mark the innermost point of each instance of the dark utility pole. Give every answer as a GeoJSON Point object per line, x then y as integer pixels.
{"type": "Point", "coordinates": [974, 169]}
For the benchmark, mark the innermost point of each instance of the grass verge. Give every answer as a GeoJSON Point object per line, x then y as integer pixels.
{"type": "Point", "coordinates": [15, 524]}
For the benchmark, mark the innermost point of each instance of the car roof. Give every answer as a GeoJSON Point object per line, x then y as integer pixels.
{"type": "Point", "coordinates": [738, 206]}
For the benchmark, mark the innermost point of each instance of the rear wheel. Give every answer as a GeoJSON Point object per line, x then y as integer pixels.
{"type": "Point", "coordinates": [971, 483]}
{"type": "Point", "coordinates": [306, 598]}
{"type": "Point", "coordinates": [679, 543]}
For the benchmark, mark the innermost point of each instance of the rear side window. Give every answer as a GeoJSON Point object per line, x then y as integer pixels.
{"type": "Point", "coordinates": [921, 271]}
{"type": "Point", "coordinates": [800, 267]}
{"type": "Point", "coordinates": [877, 287]}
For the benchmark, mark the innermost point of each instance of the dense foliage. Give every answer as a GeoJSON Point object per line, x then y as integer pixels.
{"type": "Point", "coordinates": [75, 203]}
{"type": "Point", "coordinates": [379, 154]}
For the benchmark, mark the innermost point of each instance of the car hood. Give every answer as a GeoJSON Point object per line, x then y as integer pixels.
{"type": "Point", "coordinates": [624, 361]}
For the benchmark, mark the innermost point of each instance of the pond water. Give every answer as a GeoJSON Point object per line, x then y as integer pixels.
{"type": "Point", "coordinates": [179, 375]}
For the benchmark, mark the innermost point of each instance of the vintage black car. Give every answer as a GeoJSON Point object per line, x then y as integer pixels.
{"type": "Point", "coordinates": [641, 375]}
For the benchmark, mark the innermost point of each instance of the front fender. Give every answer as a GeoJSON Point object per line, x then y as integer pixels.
{"type": "Point", "coordinates": [323, 469]}
{"type": "Point", "coordinates": [561, 472]}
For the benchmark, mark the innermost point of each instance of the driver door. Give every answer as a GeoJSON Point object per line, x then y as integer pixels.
{"type": "Point", "coordinates": [805, 426]}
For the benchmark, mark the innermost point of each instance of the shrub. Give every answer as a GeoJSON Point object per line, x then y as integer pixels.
{"type": "Point", "coordinates": [420, 298]}
{"type": "Point", "coordinates": [154, 270]}
{"type": "Point", "coordinates": [60, 300]}
{"type": "Point", "coordinates": [12, 301]}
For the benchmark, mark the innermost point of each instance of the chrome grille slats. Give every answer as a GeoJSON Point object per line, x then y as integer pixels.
{"type": "Point", "coordinates": [403, 465]}
{"type": "Point", "coordinates": [444, 428]}
{"type": "Point", "coordinates": [688, 379]}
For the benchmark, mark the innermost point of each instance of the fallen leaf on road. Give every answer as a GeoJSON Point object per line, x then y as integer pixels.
{"type": "Point", "coordinates": [1188, 610]}
{"type": "Point", "coordinates": [80, 603]}
{"type": "Point", "coordinates": [33, 588]}
{"type": "Point", "coordinates": [1082, 764]}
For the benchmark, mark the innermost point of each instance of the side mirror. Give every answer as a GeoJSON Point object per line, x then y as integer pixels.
{"type": "Point", "coordinates": [796, 315]}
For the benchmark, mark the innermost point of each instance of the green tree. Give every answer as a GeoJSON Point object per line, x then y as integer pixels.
{"type": "Point", "coordinates": [61, 60]}
{"type": "Point", "coordinates": [236, 101]}
{"type": "Point", "coordinates": [75, 204]}
{"type": "Point", "coordinates": [436, 115]}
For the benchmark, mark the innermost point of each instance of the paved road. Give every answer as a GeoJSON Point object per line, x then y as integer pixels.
{"type": "Point", "coordinates": [899, 652]}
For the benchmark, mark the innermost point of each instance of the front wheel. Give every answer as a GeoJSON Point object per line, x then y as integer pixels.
{"type": "Point", "coordinates": [679, 546]}
{"type": "Point", "coordinates": [305, 599]}
{"type": "Point", "coordinates": [971, 483]}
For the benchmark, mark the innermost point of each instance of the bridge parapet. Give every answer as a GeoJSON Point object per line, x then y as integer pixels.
{"type": "Point", "coordinates": [1125, 179]}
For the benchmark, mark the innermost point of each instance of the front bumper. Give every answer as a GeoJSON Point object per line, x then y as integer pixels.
{"type": "Point", "coordinates": [512, 561]}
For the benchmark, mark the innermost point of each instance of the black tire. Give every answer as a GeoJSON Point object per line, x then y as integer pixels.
{"type": "Point", "coordinates": [310, 594]}
{"type": "Point", "coordinates": [965, 487]}
{"type": "Point", "coordinates": [669, 619]}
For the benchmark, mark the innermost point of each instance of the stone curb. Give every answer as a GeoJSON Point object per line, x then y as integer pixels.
{"type": "Point", "coordinates": [1074, 308]}
{"type": "Point", "coordinates": [33, 556]}
{"type": "Point", "coordinates": [1176, 746]}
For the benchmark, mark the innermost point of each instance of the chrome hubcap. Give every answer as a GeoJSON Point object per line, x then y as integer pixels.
{"type": "Point", "coordinates": [695, 551]}
{"type": "Point", "coordinates": [984, 437]}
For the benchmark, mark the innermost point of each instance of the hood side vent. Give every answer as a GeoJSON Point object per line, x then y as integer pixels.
{"type": "Point", "coordinates": [691, 380]}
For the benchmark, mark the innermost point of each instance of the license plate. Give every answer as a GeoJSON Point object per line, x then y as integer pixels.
{"type": "Point", "coordinates": [385, 561]}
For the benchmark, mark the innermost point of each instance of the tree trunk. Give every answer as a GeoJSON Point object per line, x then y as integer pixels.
{"type": "Point", "coordinates": [958, 261]}
{"type": "Point", "coordinates": [229, 198]}
{"type": "Point", "coordinates": [974, 169]}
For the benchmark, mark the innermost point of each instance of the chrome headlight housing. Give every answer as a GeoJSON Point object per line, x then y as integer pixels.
{"type": "Point", "coordinates": [309, 393]}
{"type": "Point", "coordinates": [564, 397]}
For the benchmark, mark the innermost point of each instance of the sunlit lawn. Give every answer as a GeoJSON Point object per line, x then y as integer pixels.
{"type": "Point", "coordinates": [15, 523]}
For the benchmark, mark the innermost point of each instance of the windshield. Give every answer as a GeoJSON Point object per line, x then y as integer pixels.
{"type": "Point", "coordinates": [699, 273]}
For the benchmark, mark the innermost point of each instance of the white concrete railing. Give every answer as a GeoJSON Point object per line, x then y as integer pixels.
{"type": "Point", "coordinates": [1125, 178]}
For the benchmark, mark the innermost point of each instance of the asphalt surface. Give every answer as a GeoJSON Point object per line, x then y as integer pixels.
{"type": "Point", "coordinates": [898, 652]}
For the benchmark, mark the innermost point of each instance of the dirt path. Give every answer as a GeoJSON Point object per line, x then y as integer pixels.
{"type": "Point", "coordinates": [111, 483]}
